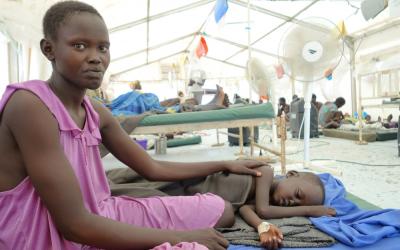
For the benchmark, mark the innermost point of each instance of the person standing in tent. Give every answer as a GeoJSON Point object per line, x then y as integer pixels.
{"type": "Point", "coordinates": [53, 178]}
{"type": "Point", "coordinates": [326, 115]}
{"type": "Point", "coordinates": [283, 107]}
{"type": "Point", "coordinates": [314, 101]}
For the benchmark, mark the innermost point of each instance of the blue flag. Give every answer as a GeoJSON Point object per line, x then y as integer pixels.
{"type": "Point", "coordinates": [221, 7]}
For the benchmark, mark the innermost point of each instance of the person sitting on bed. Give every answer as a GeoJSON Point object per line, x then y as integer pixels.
{"type": "Point", "coordinates": [389, 123]}
{"type": "Point", "coordinates": [368, 120]}
{"type": "Point", "coordinates": [326, 114]}
{"type": "Point", "coordinates": [334, 119]}
{"type": "Point", "coordinates": [53, 190]}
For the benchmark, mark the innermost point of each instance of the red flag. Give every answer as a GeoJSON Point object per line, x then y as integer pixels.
{"type": "Point", "coordinates": [202, 48]}
{"type": "Point", "coordinates": [279, 71]}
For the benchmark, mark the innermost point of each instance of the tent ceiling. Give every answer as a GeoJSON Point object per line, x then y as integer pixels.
{"type": "Point", "coordinates": [147, 31]}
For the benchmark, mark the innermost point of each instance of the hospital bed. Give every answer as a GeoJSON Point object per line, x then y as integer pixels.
{"type": "Point", "coordinates": [234, 117]}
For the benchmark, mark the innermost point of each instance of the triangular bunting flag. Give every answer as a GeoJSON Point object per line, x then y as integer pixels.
{"type": "Point", "coordinates": [342, 28]}
{"type": "Point", "coordinates": [221, 7]}
{"type": "Point", "coordinates": [202, 48]}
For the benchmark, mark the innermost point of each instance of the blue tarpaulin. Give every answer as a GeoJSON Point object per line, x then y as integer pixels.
{"type": "Point", "coordinates": [134, 103]}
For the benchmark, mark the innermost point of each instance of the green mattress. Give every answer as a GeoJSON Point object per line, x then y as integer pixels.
{"type": "Point", "coordinates": [367, 135]}
{"type": "Point", "coordinates": [350, 135]}
{"type": "Point", "coordinates": [361, 203]}
{"type": "Point", "coordinates": [388, 134]}
{"type": "Point", "coordinates": [246, 112]}
{"type": "Point", "coordinates": [177, 142]}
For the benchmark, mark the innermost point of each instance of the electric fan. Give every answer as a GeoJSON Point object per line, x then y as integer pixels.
{"type": "Point", "coordinates": [261, 78]}
{"type": "Point", "coordinates": [310, 51]}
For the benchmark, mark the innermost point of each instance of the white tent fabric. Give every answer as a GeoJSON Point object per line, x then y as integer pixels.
{"type": "Point", "coordinates": [154, 40]}
{"type": "Point", "coordinates": [143, 31]}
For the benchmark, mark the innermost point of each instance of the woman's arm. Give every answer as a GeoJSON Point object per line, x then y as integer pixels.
{"type": "Point", "coordinates": [132, 155]}
{"type": "Point", "coordinates": [37, 135]}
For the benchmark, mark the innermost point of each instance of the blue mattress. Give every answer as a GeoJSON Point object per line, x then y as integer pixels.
{"type": "Point", "coordinates": [384, 244]}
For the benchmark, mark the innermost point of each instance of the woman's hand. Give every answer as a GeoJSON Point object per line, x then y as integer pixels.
{"type": "Point", "coordinates": [245, 167]}
{"type": "Point", "coordinates": [318, 211]}
{"type": "Point", "coordinates": [272, 239]}
{"type": "Point", "coordinates": [210, 238]}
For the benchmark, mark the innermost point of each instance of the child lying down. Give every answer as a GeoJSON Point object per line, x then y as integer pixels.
{"type": "Point", "coordinates": [256, 198]}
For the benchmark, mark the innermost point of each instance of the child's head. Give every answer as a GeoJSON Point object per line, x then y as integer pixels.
{"type": "Point", "coordinates": [299, 189]}
{"type": "Point", "coordinates": [76, 42]}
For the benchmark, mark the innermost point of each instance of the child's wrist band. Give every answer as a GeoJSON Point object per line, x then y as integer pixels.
{"type": "Point", "coordinates": [263, 227]}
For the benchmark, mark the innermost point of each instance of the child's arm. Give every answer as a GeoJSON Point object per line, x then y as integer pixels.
{"type": "Point", "coordinates": [271, 239]}
{"type": "Point", "coordinates": [267, 211]}
{"type": "Point", "coordinates": [128, 152]}
{"type": "Point", "coordinates": [37, 137]}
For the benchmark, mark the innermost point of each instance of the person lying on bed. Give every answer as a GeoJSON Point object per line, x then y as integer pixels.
{"type": "Point", "coordinates": [296, 194]}
{"type": "Point", "coordinates": [256, 198]}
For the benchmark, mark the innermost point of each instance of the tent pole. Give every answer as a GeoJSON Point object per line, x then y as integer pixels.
{"type": "Point", "coordinates": [148, 31]}
{"type": "Point", "coordinates": [248, 45]}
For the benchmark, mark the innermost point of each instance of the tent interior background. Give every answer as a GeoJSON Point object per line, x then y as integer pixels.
{"type": "Point", "coordinates": [153, 41]}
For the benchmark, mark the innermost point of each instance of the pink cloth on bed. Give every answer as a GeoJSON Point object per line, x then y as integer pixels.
{"type": "Point", "coordinates": [25, 222]}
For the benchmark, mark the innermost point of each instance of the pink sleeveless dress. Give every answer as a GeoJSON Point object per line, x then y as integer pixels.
{"type": "Point", "coordinates": [25, 222]}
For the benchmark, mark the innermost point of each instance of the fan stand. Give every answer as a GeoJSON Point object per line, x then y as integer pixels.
{"type": "Point", "coordinates": [307, 87]}
{"type": "Point", "coordinates": [274, 127]}
{"type": "Point", "coordinates": [307, 115]}
{"type": "Point", "coordinates": [359, 114]}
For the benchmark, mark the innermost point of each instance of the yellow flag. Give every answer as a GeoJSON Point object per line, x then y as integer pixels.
{"type": "Point", "coordinates": [342, 28]}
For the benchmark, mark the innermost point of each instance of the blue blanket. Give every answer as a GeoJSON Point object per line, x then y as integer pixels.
{"type": "Point", "coordinates": [353, 226]}
{"type": "Point", "coordinates": [134, 103]}
{"type": "Point", "coordinates": [384, 244]}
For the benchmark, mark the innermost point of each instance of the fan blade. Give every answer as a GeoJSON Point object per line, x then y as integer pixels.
{"type": "Point", "coordinates": [260, 76]}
